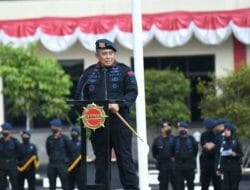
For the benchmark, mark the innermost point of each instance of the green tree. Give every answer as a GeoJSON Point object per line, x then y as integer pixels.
{"type": "Point", "coordinates": [33, 84]}
{"type": "Point", "coordinates": [166, 95]}
{"type": "Point", "coordinates": [228, 97]}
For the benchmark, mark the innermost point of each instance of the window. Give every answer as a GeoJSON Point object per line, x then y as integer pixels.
{"type": "Point", "coordinates": [194, 67]}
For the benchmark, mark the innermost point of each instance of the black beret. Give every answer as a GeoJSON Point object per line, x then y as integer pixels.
{"type": "Point", "coordinates": [104, 44]}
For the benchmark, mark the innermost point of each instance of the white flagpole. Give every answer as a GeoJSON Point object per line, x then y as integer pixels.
{"type": "Point", "coordinates": [140, 102]}
{"type": "Point", "coordinates": [1, 102]}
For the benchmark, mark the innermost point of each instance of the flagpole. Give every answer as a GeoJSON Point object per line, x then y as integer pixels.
{"type": "Point", "coordinates": [1, 102]}
{"type": "Point", "coordinates": [140, 102]}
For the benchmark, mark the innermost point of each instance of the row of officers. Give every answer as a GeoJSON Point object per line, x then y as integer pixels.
{"type": "Point", "coordinates": [19, 160]}
{"type": "Point", "coordinates": [220, 159]}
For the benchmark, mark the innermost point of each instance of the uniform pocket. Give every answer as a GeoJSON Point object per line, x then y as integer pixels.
{"type": "Point", "coordinates": [115, 83]}
{"type": "Point", "coordinates": [93, 86]}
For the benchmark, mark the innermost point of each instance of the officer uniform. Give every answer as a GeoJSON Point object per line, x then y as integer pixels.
{"type": "Point", "coordinates": [219, 138]}
{"type": "Point", "coordinates": [58, 150]}
{"type": "Point", "coordinates": [231, 159]}
{"type": "Point", "coordinates": [10, 151]}
{"type": "Point", "coordinates": [75, 175]}
{"type": "Point", "coordinates": [219, 133]}
{"type": "Point", "coordinates": [185, 152]}
{"type": "Point", "coordinates": [162, 150]}
{"type": "Point", "coordinates": [113, 82]}
{"type": "Point", "coordinates": [207, 158]}
{"type": "Point", "coordinates": [28, 151]}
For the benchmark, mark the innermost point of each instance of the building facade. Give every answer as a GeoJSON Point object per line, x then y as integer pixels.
{"type": "Point", "coordinates": [198, 37]}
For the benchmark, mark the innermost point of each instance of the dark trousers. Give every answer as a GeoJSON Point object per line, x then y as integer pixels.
{"type": "Point", "coordinates": [13, 175]}
{"type": "Point", "coordinates": [165, 177]}
{"type": "Point", "coordinates": [180, 176]}
{"type": "Point", "coordinates": [207, 175]}
{"type": "Point", "coordinates": [75, 178]}
{"type": "Point", "coordinates": [60, 171]}
{"type": "Point", "coordinates": [231, 180]}
{"type": "Point", "coordinates": [30, 176]}
{"type": "Point", "coordinates": [121, 141]}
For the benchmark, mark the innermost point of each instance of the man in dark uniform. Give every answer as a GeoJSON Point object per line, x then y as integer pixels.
{"type": "Point", "coordinates": [219, 138]}
{"type": "Point", "coordinates": [58, 150]}
{"type": "Point", "coordinates": [75, 169]}
{"type": "Point", "coordinates": [109, 79]}
{"type": "Point", "coordinates": [162, 150]}
{"type": "Point", "coordinates": [28, 162]}
{"type": "Point", "coordinates": [10, 151]}
{"type": "Point", "coordinates": [185, 152]}
{"type": "Point", "coordinates": [219, 131]}
{"type": "Point", "coordinates": [230, 158]}
{"type": "Point", "coordinates": [207, 158]}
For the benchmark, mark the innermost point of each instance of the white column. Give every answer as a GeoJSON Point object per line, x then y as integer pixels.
{"type": "Point", "coordinates": [248, 54]}
{"type": "Point", "coordinates": [1, 102]}
{"type": "Point", "coordinates": [140, 103]}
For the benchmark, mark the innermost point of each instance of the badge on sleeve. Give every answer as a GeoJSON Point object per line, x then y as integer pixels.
{"type": "Point", "coordinates": [131, 75]}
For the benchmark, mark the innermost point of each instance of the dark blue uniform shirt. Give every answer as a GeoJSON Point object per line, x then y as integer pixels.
{"type": "Point", "coordinates": [10, 152]}
{"type": "Point", "coordinates": [28, 150]}
{"type": "Point", "coordinates": [230, 163]}
{"type": "Point", "coordinates": [75, 149]}
{"type": "Point", "coordinates": [162, 150]}
{"type": "Point", "coordinates": [58, 150]}
{"type": "Point", "coordinates": [185, 152]}
{"type": "Point", "coordinates": [119, 81]}
{"type": "Point", "coordinates": [208, 136]}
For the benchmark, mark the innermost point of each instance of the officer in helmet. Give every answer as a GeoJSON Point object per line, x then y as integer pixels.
{"type": "Point", "coordinates": [229, 157]}
{"type": "Point", "coordinates": [75, 169]}
{"type": "Point", "coordinates": [207, 158]}
{"type": "Point", "coordinates": [58, 150]}
{"type": "Point", "coordinates": [162, 150]}
{"type": "Point", "coordinates": [10, 151]}
{"type": "Point", "coordinates": [185, 152]}
{"type": "Point", "coordinates": [28, 162]}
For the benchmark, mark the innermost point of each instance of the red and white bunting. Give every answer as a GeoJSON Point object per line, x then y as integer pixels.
{"type": "Point", "coordinates": [171, 29]}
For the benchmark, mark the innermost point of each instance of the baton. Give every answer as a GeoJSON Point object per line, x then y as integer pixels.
{"type": "Point", "coordinates": [128, 125]}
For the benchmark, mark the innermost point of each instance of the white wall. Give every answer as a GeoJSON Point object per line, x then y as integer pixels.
{"type": "Point", "coordinates": [77, 51]}
{"type": "Point", "coordinates": [71, 8]}
{"type": "Point", "coordinates": [223, 53]}
{"type": "Point", "coordinates": [77, 8]}
{"type": "Point", "coordinates": [248, 54]}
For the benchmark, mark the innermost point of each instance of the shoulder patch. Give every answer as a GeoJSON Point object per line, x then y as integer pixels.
{"type": "Point", "coordinates": [130, 73]}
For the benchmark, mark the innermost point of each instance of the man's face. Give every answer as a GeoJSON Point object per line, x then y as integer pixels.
{"type": "Point", "coordinates": [166, 129]}
{"type": "Point", "coordinates": [56, 129]}
{"type": "Point", "coordinates": [106, 57]}
{"type": "Point", "coordinates": [182, 131]}
{"type": "Point", "coordinates": [6, 133]}
{"type": "Point", "coordinates": [227, 133]}
{"type": "Point", "coordinates": [218, 128]}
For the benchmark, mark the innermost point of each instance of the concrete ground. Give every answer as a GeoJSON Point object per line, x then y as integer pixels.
{"type": "Point", "coordinates": [244, 185]}
{"type": "Point", "coordinates": [115, 182]}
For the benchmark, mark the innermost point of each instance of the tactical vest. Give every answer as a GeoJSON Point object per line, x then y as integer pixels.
{"type": "Point", "coordinates": [183, 147]}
